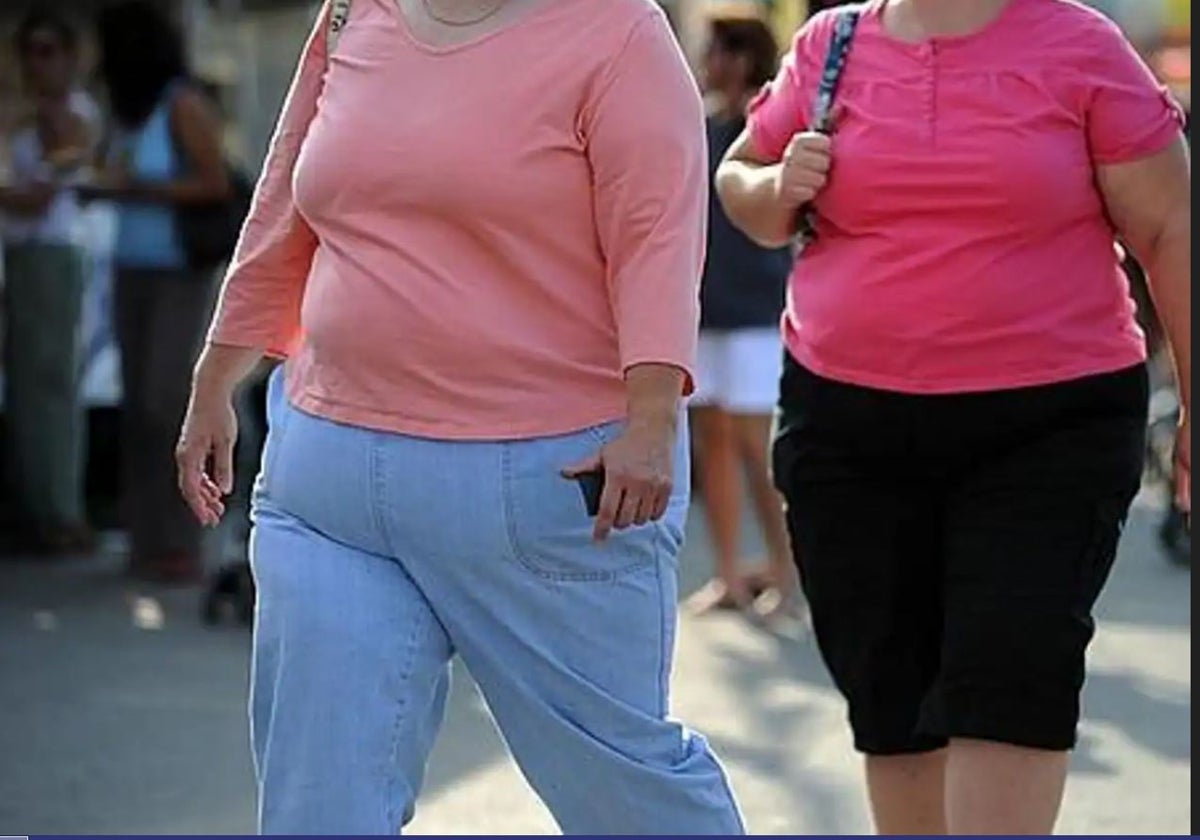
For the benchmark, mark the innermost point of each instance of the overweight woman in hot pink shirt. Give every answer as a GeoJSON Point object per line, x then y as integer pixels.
{"type": "Point", "coordinates": [964, 400]}
{"type": "Point", "coordinates": [478, 240]}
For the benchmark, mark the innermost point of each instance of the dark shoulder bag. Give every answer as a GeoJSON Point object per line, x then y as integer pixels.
{"type": "Point", "coordinates": [822, 116]}
{"type": "Point", "coordinates": [209, 230]}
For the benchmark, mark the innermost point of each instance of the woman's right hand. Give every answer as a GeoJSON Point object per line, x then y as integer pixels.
{"type": "Point", "coordinates": [204, 455]}
{"type": "Point", "coordinates": [802, 173]}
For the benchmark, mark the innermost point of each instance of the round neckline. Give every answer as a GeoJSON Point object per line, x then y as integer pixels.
{"type": "Point", "coordinates": [530, 17]}
{"type": "Point", "coordinates": [989, 28]}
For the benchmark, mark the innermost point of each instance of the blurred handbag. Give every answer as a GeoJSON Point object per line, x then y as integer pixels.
{"type": "Point", "coordinates": [209, 231]}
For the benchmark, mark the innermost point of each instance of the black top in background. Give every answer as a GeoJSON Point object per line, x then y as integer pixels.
{"type": "Point", "coordinates": [744, 284]}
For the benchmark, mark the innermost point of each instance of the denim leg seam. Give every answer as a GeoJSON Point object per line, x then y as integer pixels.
{"type": "Point", "coordinates": [376, 476]}
{"type": "Point", "coordinates": [663, 630]}
{"type": "Point", "coordinates": [507, 513]}
{"type": "Point", "coordinates": [414, 640]}
{"type": "Point", "coordinates": [378, 487]}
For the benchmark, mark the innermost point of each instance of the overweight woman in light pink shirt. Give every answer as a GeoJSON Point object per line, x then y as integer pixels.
{"type": "Point", "coordinates": [964, 400]}
{"type": "Point", "coordinates": [477, 240]}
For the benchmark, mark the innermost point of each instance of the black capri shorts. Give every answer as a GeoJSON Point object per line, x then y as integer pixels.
{"type": "Point", "coordinates": [952, 548]}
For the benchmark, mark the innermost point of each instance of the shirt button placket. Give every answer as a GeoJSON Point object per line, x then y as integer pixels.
{"type": "Point", "coordinates": [931, 90]}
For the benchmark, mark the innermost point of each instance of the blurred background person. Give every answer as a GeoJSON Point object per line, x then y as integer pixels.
{"type": "Point", "coordinates": [740, 354]}
{"type": "Point", "coordinates": [164, 152]}
{"type": "Point", "coordinates": [45, 273]}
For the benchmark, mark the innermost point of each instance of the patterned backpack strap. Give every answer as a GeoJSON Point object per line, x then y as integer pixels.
{"type": "Point", "coordinates": [339, 13]}
{"type": "Point", "coordinates": [823, 107]}
{"type": "Point", "coordinates": [835, 65]}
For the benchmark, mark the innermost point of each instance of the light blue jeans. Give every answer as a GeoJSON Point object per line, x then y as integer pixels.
{"type": "Point", "coordinates": [379, 556]}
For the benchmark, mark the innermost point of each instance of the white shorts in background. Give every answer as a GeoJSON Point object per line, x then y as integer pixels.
{"type": "Point", "coordinates": [739, 370]}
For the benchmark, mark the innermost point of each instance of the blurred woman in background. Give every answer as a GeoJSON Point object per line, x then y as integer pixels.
{"type": "Point", "coordinates": [740, 354]}
{"type": "Point", "coordinates": [164, 153]}
{"type": "Point", "coordinates": [44, 272]}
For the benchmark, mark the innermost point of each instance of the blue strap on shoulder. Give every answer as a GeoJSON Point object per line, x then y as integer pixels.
{"type": "Point", "coordinates": [822, 115]}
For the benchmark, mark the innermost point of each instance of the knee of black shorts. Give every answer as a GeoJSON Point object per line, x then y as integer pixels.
{"type": "Point", "coordinates": [885, 715]}
{"type": "Point", "coordinates": [1042, 717]}
{"type": "Point", "coordinates": [1012, 674]}
{"type": "Point", "coordinates": [877, 742]}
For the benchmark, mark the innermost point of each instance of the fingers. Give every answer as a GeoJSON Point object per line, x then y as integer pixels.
{"type": "Point", "coordinates": [190, 456]}
{"type": "Point", "coordinates": [203, 495]}
{"type": "Point", "coordinates": [661, 502]}
{"type": "Point", "coordinates": [222, 461]}
{"type": "Point", "coordinates": [634, 511]}
{"type": "Point", "coordinates": [610, 507]}
{"type": "Point", "coordinates": [801, 190]}
{"type": "Point", "coordinates": [629, 502]}
{"type": "Point", "coordinates": [809, 141]}
{"type": "Point", "coordinates": [579, 468]}
{"type": "Point", "coordinates": [806, 165]}
{"type": "Point", "coordinates": [214, 501]}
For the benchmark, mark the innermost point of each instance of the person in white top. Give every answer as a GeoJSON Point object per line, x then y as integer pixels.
{"type": "Point", "coordinates": [44, 270]}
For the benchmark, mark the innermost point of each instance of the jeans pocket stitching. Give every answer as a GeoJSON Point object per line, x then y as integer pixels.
{"type": "Point", "coordinates": [603, 434]}
{"type": "Point", "coordinates": [518, 547]}
{"type": "Point", "coordinates": [524, 556]}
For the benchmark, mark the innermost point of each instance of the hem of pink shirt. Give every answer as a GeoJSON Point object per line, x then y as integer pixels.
{"type": "Point", "coordinates": [392, 423]}
{"type": "Point", "coordinates": [1000, 380]}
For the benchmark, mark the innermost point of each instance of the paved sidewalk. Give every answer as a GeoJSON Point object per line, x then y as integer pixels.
{"type": "Point", "coordinates": [112, 727]}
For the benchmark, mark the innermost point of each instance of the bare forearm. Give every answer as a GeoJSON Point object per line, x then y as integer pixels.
{"type": "Point", "coordinates": [22, 203]}
{"type": "Point", "coordinates": [184, 191]}
{"type": "Point", "coordinates": [221, 367]}
{"type": "Point", "coordinates": [749, 195]}
{"type": "Point", "coordinates": [655, 392]}
{"type": "Point", "coordinates": [1169, 270]}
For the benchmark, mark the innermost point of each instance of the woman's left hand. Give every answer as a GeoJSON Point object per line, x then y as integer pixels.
{"type": "Point", "coordinates": [107, 185]}
{"type": "Point", "coordinates": [638, 476]}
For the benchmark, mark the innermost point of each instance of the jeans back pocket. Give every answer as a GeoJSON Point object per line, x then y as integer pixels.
{"type": "Point", "coordinates": [549, 529]}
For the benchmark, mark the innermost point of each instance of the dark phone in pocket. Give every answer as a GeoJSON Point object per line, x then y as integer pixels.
{"type": "Point", "coordinates": [591, 485]}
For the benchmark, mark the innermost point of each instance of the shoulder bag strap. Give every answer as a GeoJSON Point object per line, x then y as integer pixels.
{"type": "Point", "coordinates": [339, 13]}
{"type": "Point", "coordinates": [835, 66]}
{"type": "Point", "coordinates": [823, 110]}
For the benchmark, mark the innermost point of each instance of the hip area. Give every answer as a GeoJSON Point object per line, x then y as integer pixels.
{"type": "Point", "coordinates": [1091, 425]}
{"type": "Point", "coordinates": [409, 496]}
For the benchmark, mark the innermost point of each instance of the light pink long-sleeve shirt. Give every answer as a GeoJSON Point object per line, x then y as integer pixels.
{"type": "Point", "coordinates": [476, 242]}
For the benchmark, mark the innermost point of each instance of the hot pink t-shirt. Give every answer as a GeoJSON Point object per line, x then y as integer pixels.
{"type": "Point", "coordinates": [475, 242]}
{"type": "Point", "coordinates": [963, 243]}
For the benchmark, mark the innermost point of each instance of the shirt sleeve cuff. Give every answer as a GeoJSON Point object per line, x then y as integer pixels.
{"type": "Point", "coordinates": [1157, 135]}
{"type": "Point", "coordinates": [686, 367]}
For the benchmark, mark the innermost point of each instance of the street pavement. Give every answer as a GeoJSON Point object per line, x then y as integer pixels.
{"type": "Point", "coordinates": [122, 715]}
